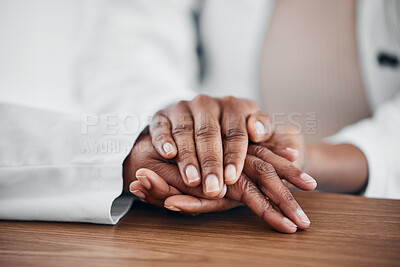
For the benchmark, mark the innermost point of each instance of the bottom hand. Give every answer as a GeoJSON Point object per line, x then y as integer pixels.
{"type": "Point", "coordinates": [255, 192]}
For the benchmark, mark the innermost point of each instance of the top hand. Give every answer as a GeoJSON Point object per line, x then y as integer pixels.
{"type": "Point", "coordinates": [191, 132]}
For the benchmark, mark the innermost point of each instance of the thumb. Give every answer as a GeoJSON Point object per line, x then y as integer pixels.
{"type": "Point", "coordinates": [259, 127]}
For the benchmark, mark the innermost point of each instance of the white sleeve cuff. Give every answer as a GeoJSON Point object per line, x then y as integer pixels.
{"type": "Point", "coordinates": [63, 193]}
{"type": "Point", "coordinates": [106, 204]}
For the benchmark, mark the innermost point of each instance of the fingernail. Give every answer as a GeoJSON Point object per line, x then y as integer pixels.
{"type": "Point", "coordinates": [307, 178]}
{"type": "Point", "coordinates": [168, 148]}
{"type": "Point", "coordinates": [230, 173]}
{"type": "Point", "coordinates": [144, 181]}
{"type": "Point", "coordinates": [289, 223]}
{"type": "Point", "coordinates": [172, 208]}
{"type": "Point", "coordinates": [260, 129]}
{"type": "Point", "coordinates": [302, 216]}
{"type": "Point", "coordinates": [212, 183]}
{"type": "Point", "coordinates": [192, 174]}
{"type": "Point", "coordinates": [139, 194]}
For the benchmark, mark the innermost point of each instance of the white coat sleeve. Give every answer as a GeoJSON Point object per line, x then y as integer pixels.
{"type": "Point", "coordinates": [137, 56]}
{"type": "Point", "coordinates": [379, 139]}
{"type": "Point", "coordinates": [53, 167]}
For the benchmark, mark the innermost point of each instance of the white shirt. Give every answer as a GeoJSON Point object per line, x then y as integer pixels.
{"type": "Point", "coordinates": [79, 81]}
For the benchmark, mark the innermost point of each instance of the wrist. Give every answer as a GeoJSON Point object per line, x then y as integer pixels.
{"type": "Point", "coordinates": [337, 167]}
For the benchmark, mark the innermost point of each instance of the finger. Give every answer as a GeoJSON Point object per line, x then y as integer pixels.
{"type": "Point", "coordinates": [291, 139]}
{"type": "Point", "coordinates": [155, 185]}
{"type": "Point", "coordinates": [259, 127]}
{"type": "Point", "coordinates": [170, 174]}
{"type": "Point", "coordinates": [285, 169]}
{"type": "Point", "coordinates": [206, 113]}
{"type": "Point", "coordinates": [159, 191]}
{"type": "Point", "coordinates": [137, 189]}
{"type": "Point", "coordinates": [144, 155]}
{"type": "Point", "coordinates": [287, 184]}
{"type": "Point", "coordinates": [247, 192]}
{"type": "Point", "coordinates": [142, 193]}
{"type": "Point", "coordinates": [183, 134]}
{"type": "Point", "coordinates": [264, 175]}
{"type": "Point", "coordinates": [194, 205]}
{"type": "Point", "coordinates": [160, 131]}
{"type": "Point", "coordinates": [235, 139]}
{"type": "Point", "coordinates": [288, 153]}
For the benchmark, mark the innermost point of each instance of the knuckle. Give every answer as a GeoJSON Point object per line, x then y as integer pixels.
{"type": "Point", "coordinates": [160, 124]}
{"type": "Point", "coordinates": [229, 99]}
{"type": "Point", "coordinates": [160, 138]}
{"type": "Point", "coordinates": [286, 196]}
{"type": "Point", "coordinates": [210, 161]}
{"type": "Point", "coordinates": [234, 134]}
{"type": "Point", "coordinates": [247, 188]}
{"type": "Point", "coordinates": [185, 153]}
{"type": "Point", "coordinates": [159, 121]}
{"type": "Point", "coordinates": [262, 167]}
{"type": "Point", "coordinates": [201, 99]}
{"type": "Point", "coordinates": [207, 130]}
{"type": "Point", "coordinates": [232, 156]}
{"type": "Point", "coordinates": [182, 129]}
{"type": "Point", "coordinates": [248, 192]}
{"type": "Point", "coordinates": [159, 113]}
{"type": "Point", "coordinates": [250, 187]}
{"type": "Point", "coordinates": [182, 103]}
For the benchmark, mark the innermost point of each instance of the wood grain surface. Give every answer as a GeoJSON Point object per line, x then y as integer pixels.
{"type": "Point", "coordinates": [345, 231]}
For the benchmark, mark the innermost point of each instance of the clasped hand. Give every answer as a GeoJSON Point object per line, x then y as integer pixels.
{"type": "Point", "coordinates": [206, 141]}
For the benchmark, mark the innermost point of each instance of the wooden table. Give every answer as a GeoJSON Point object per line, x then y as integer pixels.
{"type": "Point", "coordinates": [345, 230]}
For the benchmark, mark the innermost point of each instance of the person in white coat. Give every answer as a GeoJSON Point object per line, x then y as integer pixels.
{"type": "Point", "coordinates": [75, 93]}
{"type": "Point", "coordinates": [136, 57]}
